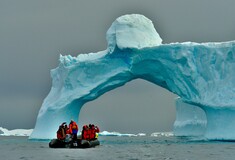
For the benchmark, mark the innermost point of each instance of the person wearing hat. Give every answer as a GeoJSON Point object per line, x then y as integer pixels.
{"type": "Point", "coordinates": [73, 129]}
{"type": "Point", "coordinates": [61, 132]}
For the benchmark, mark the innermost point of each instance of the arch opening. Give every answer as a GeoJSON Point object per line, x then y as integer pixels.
{"type": "Point", "coordinates": [137, 107]}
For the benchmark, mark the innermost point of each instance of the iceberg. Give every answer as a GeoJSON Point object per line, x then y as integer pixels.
{"type": "Point", "coordinates": [15, 132]}
{"type": "Point", "coordinates": [201, 74]}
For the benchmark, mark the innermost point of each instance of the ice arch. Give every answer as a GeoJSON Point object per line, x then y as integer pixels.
{"type": "Point", "coordinates": [201, 74]}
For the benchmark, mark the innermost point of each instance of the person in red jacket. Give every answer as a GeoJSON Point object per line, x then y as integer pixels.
{"type": "Point", "coordinates": [97, 130]}
{"type": "Point", "coordinates": [85, 134]}
{"type": "Point", "coordinates": [61, 132]}
{"type": "Point", "coordinates": [92, 132]}
{"type": "Point", "coordinates": [73, 129]}
{"type": "Point", "coordinates": [89, 132]}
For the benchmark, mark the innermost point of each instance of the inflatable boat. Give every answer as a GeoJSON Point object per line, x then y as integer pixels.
{"type": "Point", "coordinates": [70, 143]}
{"type": "Point", "coordinates": [55, 143]}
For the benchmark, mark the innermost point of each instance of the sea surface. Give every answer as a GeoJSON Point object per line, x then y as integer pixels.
{"type": "Point", "coordinates": [120, 147]}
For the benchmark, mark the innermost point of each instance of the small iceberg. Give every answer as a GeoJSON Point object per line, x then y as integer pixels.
{"type": "Point", "coordinates": [162, 134]}
{"type": "Point", "coordinates": [106, 133]}
{"type": "Point", "coordinates": [15, 132]}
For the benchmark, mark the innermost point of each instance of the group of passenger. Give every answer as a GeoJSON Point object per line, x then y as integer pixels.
{"type": "Point", "coordinates": [64, 129]}
{"type": "Point", "coordinates": [89, 132]}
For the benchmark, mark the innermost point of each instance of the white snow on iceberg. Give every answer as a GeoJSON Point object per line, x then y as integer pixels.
{"type": "Point", "coordinates": [132, 31]}
{"type": "Point", "coordinates": [202, 75]}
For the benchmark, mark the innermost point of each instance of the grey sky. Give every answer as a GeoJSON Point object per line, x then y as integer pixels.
{"type": "Point", "coordinates": [34, 33]}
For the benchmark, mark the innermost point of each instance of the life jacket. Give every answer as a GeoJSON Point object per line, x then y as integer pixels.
{"type": "Point", "coordinates": [92, 133]}
{"type": "Point", "coordinates": [73, 127]}
{"type": "Point", "coordinates": [97, 130]}
{"type": "Point", "coordinates": [85, 132]}
{"type": "Point", "coordinates": [89, 134]}
{"type": "Point", "coordinates": [60, 134]}
{"type": "Point", "coordinates": [67, 131]}
{"type": "Point", "coordinates": [85, 135]}
{"type": "Point", "coordinates": [96, 135]}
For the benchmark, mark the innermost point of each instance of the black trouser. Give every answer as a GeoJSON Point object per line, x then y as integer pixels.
{"type": "Point", "coordinates": [75, 137]}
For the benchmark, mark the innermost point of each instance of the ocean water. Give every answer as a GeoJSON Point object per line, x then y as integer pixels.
{"type": "Point", "coordinates": [118, 148]}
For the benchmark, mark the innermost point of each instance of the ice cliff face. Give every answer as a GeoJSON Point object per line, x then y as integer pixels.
{"type": "Point", "coordinates": [201, 74]}
{"type": "Point", "coordinates": [190, 120]}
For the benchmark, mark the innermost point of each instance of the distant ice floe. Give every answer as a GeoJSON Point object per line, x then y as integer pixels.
{"type": "Point", "coordinates": [15, 132]}
{"type": "Point", "coordinates": [106, 133]}
{"type": "Point", "coordinates": [162, 134]}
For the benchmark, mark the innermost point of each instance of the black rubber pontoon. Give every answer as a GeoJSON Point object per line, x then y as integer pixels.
{"type": "Point", "coordinates": [55, 143]}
